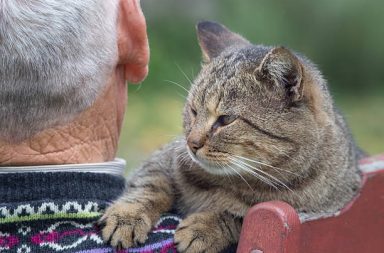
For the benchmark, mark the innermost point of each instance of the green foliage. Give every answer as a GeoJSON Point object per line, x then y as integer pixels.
{"type": "Point", "coordinates": [344, 37]}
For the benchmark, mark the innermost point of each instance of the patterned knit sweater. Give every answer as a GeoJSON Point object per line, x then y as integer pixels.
{"type": "Point", "coordinates": [57, 212]}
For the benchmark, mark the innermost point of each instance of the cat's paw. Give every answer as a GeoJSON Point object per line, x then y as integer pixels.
{"type": "Point", "coordinates": [125, 224]}
{"type": "Point", "coordinates": [200, 233]}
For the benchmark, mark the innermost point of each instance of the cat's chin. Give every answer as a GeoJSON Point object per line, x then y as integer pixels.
{"type": "Point", "coordinates": [211, 167]}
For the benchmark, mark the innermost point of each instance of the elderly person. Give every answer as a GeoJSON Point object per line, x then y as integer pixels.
{"type": "Point", "coordinates": [63, 72]}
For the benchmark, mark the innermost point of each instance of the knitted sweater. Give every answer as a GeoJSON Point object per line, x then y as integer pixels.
{"type": "Point", "coordinates": [57, 212]}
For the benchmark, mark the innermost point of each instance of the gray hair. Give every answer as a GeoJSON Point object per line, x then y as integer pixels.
{"type": "Point", "coordinates": [55, 57]}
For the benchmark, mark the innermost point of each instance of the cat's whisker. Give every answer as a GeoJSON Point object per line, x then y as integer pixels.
{"type": "Point", "coordinates": [225, 172]}
{"type": "Point", "coordinates": [180, 156]}
{"type": "Point", "coordinates": [185, 75]}
{"type": "Point", "coordinates": [284, 154]}
{"type": "Point", "coordinates": [234, 170]}
{"type": "Point", "coordinates": [186, 157]}
{"type": "Point", "coordinates": [179, 148]}
{"type": "Point", "coordinates": [182, 152]}
{"type": "Point", "coordinates": [278, 181]}
{"type": "Point", "coordinates": [268, 165]}
{"type": "Point", "coordinates": [258, 168]}
{"type": "Point", "coordinates": [192, 71]}
{"type": "Point", "coordinates": [254, 173]}
{"type": "Point", "coordinates": [177, 84]}
{"type": "Point", "coordinates": [272, 178]}
{"type": "Point", "coordinates": [138, 88]}
{"type": "Point", "coordinates": [181, 95]}
{"type": "Point", "coordinates": [179, 141]}
{"type": "Point", "coordinates": [183, 157]}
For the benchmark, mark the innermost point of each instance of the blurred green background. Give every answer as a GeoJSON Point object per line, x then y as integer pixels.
{"type": "Point", "coordinates": [345, 38]}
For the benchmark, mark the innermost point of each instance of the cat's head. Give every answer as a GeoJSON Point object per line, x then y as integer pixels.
{"type": "Point", "coordinates": [252, 107]}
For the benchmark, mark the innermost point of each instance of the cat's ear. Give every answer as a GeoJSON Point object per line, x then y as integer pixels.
{"type": "Point", "coordinates": [214, 38]}
{"type": "Point", "coordinates": [281, 67]}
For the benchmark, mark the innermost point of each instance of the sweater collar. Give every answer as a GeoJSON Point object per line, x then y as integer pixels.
{"type": "Point", "coordinates": [98, 181]}
{"type": "Point", "coordinates": [115, 167]}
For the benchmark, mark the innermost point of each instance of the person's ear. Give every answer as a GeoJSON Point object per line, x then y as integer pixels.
{"type": "Point", "coordinates": [132, 41]}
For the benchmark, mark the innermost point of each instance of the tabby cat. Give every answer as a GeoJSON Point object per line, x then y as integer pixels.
{"type": "Point", "coordinates": [259, 125]}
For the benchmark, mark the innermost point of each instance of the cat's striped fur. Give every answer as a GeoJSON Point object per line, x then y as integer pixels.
{"type": "Point", "coordinates": [259, 125]}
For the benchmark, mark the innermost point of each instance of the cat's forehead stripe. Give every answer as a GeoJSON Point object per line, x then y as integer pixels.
{"type": "Point", "coordinates": [212, 105]}
{"type": "Point", "coordinates": [212, 96]}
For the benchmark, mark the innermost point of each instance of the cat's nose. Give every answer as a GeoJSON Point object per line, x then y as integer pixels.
{"type": "Point", "coordinates": [194, 144]}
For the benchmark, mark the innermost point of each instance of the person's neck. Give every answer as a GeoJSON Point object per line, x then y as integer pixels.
{"type": "Point", "coordinates": [59, 147]}
{"type": "Point", "coordinates": [90, 138]}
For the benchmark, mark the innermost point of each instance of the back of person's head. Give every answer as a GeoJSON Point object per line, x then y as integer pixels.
{"type": "Point", "coordinates": [55, 57]}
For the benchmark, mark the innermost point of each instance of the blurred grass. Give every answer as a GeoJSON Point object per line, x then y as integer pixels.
{"type": "Point", "coordinates": [344, 37]}
{"type": "Point", "coordinates": [365, 116]}
{"type": "Point", "coordinates": [150, 121]}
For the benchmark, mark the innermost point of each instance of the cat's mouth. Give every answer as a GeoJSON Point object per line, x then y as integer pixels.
{"type": "Point", "coordinates": [217, 167]}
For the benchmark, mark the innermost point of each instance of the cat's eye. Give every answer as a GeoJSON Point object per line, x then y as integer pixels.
{"type": "Point", "coordinates": [193, 111]}
{"type": "Point", "coordinates": [224, 120]}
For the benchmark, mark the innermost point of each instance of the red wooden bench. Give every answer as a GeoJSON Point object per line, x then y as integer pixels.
{"type": "Point", "coordinates": [275, 227]}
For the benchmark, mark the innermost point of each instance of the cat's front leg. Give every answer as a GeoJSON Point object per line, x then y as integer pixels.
{"type": "Point", "coordinates": [208, 232]}
{"type": "Point", "coordinates": [126, 224]}
{"type": "Point", "coordinates": [128, 221]}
